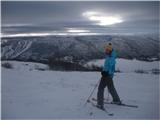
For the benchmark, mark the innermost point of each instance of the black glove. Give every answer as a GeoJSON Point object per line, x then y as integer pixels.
{"type": "Point", "coordinates": [104, 73]}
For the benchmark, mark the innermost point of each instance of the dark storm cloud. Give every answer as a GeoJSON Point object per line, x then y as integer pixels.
{"type": "Point", "coordinates": [141, 15]}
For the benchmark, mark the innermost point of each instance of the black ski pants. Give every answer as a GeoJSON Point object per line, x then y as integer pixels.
{"type": "Point", "coordinates": [106, 81]}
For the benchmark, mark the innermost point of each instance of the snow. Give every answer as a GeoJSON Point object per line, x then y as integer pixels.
{"type": "Point", "coordinates": [125, 65]}
{"type": "Point", "coordinates": [27, 66]}
{"type": "Point", "coordinates": [26, 47]}
{"type": "Point", "coordinates": [29, 93]}
{"type": "Point", "coordinates": [86, 47]}
{"type": "Point", "coordinates": [16, 50]}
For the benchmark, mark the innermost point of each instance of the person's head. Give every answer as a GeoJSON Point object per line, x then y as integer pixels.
{"type": "Point", "coordinates": [108, 48]}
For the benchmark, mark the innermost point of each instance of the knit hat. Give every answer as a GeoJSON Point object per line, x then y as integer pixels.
{"type": "Point", "coordinates": [108, 47]}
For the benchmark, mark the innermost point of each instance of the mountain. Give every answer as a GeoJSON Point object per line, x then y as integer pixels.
{"type": "Point", "coordinates": [78, 48]}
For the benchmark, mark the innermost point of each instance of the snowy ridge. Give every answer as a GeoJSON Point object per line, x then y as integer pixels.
{"type": "Point", "coordinates": [27, 66]}
{"type": "Point", "coordinates": [125, 65]}
{"type": "Point", "coordinates": [79, 47]}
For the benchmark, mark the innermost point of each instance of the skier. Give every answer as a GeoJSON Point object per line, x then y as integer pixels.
{"type": "Point", "coordinates": [107, 78]}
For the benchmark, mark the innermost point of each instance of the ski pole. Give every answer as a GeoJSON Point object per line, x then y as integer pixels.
{"type": "Point", "coordinates": [91, 93]}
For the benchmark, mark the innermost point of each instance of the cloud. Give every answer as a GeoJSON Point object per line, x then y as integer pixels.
{"type": "Point", "coordinates": [102, 19]}
{"type": "Point", "coordinates": [48, 34]}
{"type": "Point", "coordinates": [95, 16]}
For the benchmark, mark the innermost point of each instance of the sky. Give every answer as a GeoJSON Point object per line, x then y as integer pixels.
{"type": "Point", "coordinates": [76, 17]}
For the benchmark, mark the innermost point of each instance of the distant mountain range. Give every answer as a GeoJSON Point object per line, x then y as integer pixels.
{"type": "Point", "coordinates": [79, 48]}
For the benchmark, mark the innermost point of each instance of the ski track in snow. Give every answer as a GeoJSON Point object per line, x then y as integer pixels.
{"type": "Point", "coordinates": [26, 45]}
{"type": "Point", "coordinates": [31, 94]}
{"type": "Point", "coordinates": [15, 51]}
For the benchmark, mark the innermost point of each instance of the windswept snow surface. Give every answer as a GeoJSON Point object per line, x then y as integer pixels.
{"type": "Point", "coordinates": [28, 93]}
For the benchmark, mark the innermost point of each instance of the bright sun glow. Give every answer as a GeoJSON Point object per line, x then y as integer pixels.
{"type": "Point", "coordinates": [102, 19]}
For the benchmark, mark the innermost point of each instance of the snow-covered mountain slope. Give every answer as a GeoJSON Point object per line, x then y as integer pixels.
{"type": "Point", "coordinates": [79, 47]}
{"type": "Point", "coordinates": [35, 94]}
{"type": "Point", "coordinates": [15, 49]}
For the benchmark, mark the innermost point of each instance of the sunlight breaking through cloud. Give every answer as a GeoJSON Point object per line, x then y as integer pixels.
{"type": "Point", "coordinates": [102, 19]}
{"type": "Point", "coordinates": [75, 30]}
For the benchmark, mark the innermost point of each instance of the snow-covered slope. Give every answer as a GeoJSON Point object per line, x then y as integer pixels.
{"type": "Point", "coordinates": [26, 66]}
{"type": "Point", "coordinates": [35, 94]}
{"type": "Point", "coordinates": [124, 65]}
{"type": "Point", "coordinates": [79, 47]}
{"type": "Point", "coordinates": [15, 49]}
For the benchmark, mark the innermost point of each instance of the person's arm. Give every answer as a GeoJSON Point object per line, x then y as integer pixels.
{"type": "Point", "coordinates": [105, 67]}
{"type": "Point", "coordinates": [112, 63]}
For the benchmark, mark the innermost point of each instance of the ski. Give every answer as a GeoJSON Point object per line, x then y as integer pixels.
{"type": "Point", "coordinates": [122, 104]}
{"type": "Point", "coordinates": [94, 105]}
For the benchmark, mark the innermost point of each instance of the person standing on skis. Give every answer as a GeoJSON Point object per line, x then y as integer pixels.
{"type": "Point", "coordinates": [107, 77]}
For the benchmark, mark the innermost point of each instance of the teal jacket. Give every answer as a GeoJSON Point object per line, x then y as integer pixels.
{"type": "Point", "coordinates": [109, 64]}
